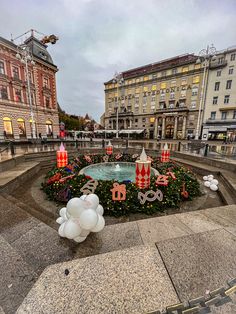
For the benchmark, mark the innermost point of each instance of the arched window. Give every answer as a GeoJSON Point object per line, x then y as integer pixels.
{"type": "Point", "coordinates": [21, 127]}
{"type": "Point", "coordinates": [49, 129]}
{"type": "Point", "coordinates": [7, 124]}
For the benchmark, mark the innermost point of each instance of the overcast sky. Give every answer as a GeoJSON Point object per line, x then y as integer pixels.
{"type": "Point", "coordinates": [99, 37]}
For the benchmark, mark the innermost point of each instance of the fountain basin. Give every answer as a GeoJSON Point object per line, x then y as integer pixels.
{"type": "Point", "coordinates": [118, 171]}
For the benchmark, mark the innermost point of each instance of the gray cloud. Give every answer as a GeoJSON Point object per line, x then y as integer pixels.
{"type": "Point", "coordinates": [99, 37]}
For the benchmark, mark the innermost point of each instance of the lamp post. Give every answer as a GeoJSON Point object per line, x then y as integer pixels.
{"type": "Point", "coordinates": [205, 56]}
{"type": "Point", "coordinates": [25, 56]}
{"type": "Point", "coordinates": [118, 79]}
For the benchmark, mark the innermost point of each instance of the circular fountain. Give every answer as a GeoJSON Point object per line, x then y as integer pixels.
{"type": "Point", "coordinates": [118, 171]}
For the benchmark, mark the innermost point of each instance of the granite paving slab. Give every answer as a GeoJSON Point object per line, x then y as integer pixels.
{"type": "Point", "coordinates": [198, 222]}
{"type": "Point", "coordinates": [16, 279]}
{"type": "Point", "coordinates": [161, 228]}
{"type": "Point", "coordinates": [128, 281]}
{"type": "Point", "coordinates": [41, 246]}
{"type": "Point", "coordinates": [199, 262]}
{"type": "Point", "coordinates": [224, 215]}
{"type": "Point", "coordinates": [111, 238]}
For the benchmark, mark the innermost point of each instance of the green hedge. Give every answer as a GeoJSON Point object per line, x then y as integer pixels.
{"type": "Point", "coordinates": [171, 193]}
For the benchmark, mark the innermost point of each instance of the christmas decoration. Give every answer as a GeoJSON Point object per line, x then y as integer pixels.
{"type": "Point", "coordinates": [109, 149]}
{"type": "Point", "coordinates": [162, 180]}
{"type": "Point", "coordinates": [80, 217]}
{"type": "Point", "coordinates": [89, 187]}
{"type": "Point", "coordinates": [62, 157]}
{"type": "Point", "coordinates": [118, 156]}
{"type": "Point", "coordinates": [150, 196]}
{"type": "Point", "coordinates": [105, 158]}
{"type": "Point", "coordinates": [165, 154]}
{"type": "Point", "coordinates": [184, 193]}
{"type": "Point", "coordinates": [118, 192]}
{"type": "Point", "coordinates": [143, 171]}
{"type": "Point", "coordinates": [88, 158]}
{"type": "Point", "coordinates": [210, 182]}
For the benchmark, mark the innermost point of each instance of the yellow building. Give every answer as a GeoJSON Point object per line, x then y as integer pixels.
{"type": "Point", "coordinates": [160, 99]}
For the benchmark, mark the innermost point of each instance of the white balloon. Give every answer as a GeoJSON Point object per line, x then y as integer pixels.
{"type": "Point", "coordinates": [213, 187]}
{"type": "Point", "coordinates": [207, 183]}
{"type": "Point", "coordinates": [61, 230]}
{"type": "Point", "coordinates": [100, 210]}
{"type": "Point", "coordinates": [214, 181]}
{"type": "Point", "coordinates": [210, 177]}
{"type": "Point", "coordinates": [60, 220]}
{"type": "Point", "coordinates": [92, 201]}
{"type": "Point", "coordinates": [79, 239]}
{"type": "Point", "coordinates": [62, 213]}
{"type": "Point", "coordinates": [75, 206]}
{"type": "Point", "coordinates": [205, 178]}
{"type": "Point", "coordinates": [72, 229]}
{"type": "Point", "coordinates": [84, 233]}
{"type": "Point", "coordinates": [100, 224]}
{"type": "Point", "coordinates": [88, 219]}
{"type": "Point", "coordinates": [83, 197]}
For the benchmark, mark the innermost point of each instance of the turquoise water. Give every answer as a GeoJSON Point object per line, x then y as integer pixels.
{"type": "Point", "coordinates": [112, 171]}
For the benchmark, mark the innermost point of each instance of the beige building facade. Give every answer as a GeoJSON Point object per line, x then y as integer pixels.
{"type": "Point", "coordinates": [15, 114]}
{"type": "Point", "coordinates": [160, 99]}
{"type": "Point", "coordinates": [219, 120]}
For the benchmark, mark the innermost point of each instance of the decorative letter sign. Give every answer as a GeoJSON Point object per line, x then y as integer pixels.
{"type": "Point", "coordinates": [143, 171]}
{"type": "Point", "coordinates": [62, 157]}
{"type": "Point", "coordinates": [109, 149]}
{"type": "Point", "coordinates": [118, 192]}
{"type": "Point", "coordinates": [89, 187]}
{"type": "Point", "coordinates": [165, 154]}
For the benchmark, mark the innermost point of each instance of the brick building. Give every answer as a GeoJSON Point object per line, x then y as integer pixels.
{"type": "Point", "coordinates": [15, 114]}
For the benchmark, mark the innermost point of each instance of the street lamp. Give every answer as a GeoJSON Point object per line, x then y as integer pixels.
{"type": "Point", "coordinates": [205, 56]}
{"type": "Point", "coordinates": [118, 79]}
{"type": "Point", "coordinates": [25, 56]}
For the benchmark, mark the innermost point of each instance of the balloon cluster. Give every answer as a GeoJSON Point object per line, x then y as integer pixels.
{"type": "Point", "coordinates": [210, 182]}
{"type": "Point", "coordinates": [80, 217]}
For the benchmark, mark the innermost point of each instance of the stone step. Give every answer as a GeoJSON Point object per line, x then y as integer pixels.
{"type": "Point", "coordinates": [127, 281]}
{"type": "Point", "coordinates": [32, 244]}
{"type": "Point", "coordinates": [13, 178]}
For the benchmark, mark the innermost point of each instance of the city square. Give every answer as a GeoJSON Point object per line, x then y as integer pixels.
{"type": "Point", "coordinates": [117, 164]}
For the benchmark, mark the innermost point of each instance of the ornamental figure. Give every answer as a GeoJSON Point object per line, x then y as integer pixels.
{"type": "Point", "coordinates": [118, 192]}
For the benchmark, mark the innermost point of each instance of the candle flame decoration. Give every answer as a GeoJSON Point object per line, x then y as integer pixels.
{"type": "Point", "coordinates": [143, 156]}
{"type": "Point", "coordinates": [109, 143]}
{"type": "Point", "coordinates": [62, 147]}
{"type": "Point", "coordinates": [165, 146]}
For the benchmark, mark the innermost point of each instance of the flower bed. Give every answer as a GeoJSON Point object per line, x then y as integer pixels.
{"type": "Point", "coordinates": [61, 184]}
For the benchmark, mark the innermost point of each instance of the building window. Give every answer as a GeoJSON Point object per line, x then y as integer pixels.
{"type": "Point", "coordinates": [194, 91]}
{"type": "Point", "coordinates": [220, 60]}
{"type": "Point", "coordinates": [228, 84]}
{"type": "Point", "coordinates": [234, 114]}
{"type": "Point", "coordinates": [47, 102]}
{"type": "Point", "coordinates": [153, 107]}
{"type": "Point", "coordinates": [163, 74]}
{"type": "Point", "coordinates": [145, 88]}
{"type": "Point", "coordinates": [145, 78]}
{"type": "Point", "coordinates": [182, 104]}
{"type": "Point", "coordinates": [215, 99]}
{"type": "Point", "coordinates": [144, 99]}
{"type": "Point", "coordinates": [196, 79]}
{"type": "Point", "coordinates": [226, 100]}
{"type": "Point", "coordinates": [21, 127]}
{"type": "Point", "coordinates": [213, 115]}
{"type": "Point", "coordinates": [171, 105]}
{"type": "Point", "coordinates": [143, 119]}
{"type": "Point", "coordinates": [193, 104]}
{"type": "Point", "coordinates": [218, 73]}
{"type": "Point", "coordinates": [173, 83]}
{"type": "Point", "coordinates": [136, 120]}
{"type": "Point", "coordinates": [231, 70]}
{"type": "Point", "coordinates": [183, 94]}
{"type": "Point", "coordinates": [184, 69]}
{"type": "Point", "coordinates": [7, 124]}
{"type": "Point", "coordinates": [174, 71]}
{"type": "Point", "coordinates": [232, 57]}
{"type": "Point", "coordinates": [162, 96]}
{"type": "Point", "coordinates": [153, 99]}
{"type": "Point", "coordinates": [223, 115]}
{"type": "Point", "coordinates": [163, 85]}
{"type": "Point", "coordinates": [154, 87]}
{"type": "Point", "coordinates": [217, 86]}
{"type": "Point", "coordinates": [49, 130]}
{"type": "Point", "coordinates": [3, 92]}
{"type": "Point", "coordinates": [15, 72]}
{"type": "Point", "coordinates": [172, 95]}
{"type": "Point", "coordinates": [45, 82]}
{"type": "Point", "coordinates": [184, 81]}
{"type": "Point", "coordinates": [2, 69]}
{"type": "Point", "coordinates": [18, 95]}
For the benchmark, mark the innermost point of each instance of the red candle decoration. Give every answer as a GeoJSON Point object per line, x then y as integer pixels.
{"type": "Point", "coordinates": [62, 157]}
{"type": "Point", "coordinates": [109, 149]}
{"type": "Point", "coordinates": [165, 154]}
{"type": "Point", "coordinates": [143, 171]}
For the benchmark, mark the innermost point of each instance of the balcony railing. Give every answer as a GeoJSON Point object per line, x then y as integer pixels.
{"type": "Point", "coordinates": [122, 113]}
{"type": "Point", "coordinates": [178, 109]}
{"type": "Point", "coordinates": [216, 64]}
{"type": "Point", "coordinates": [220, 121]}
